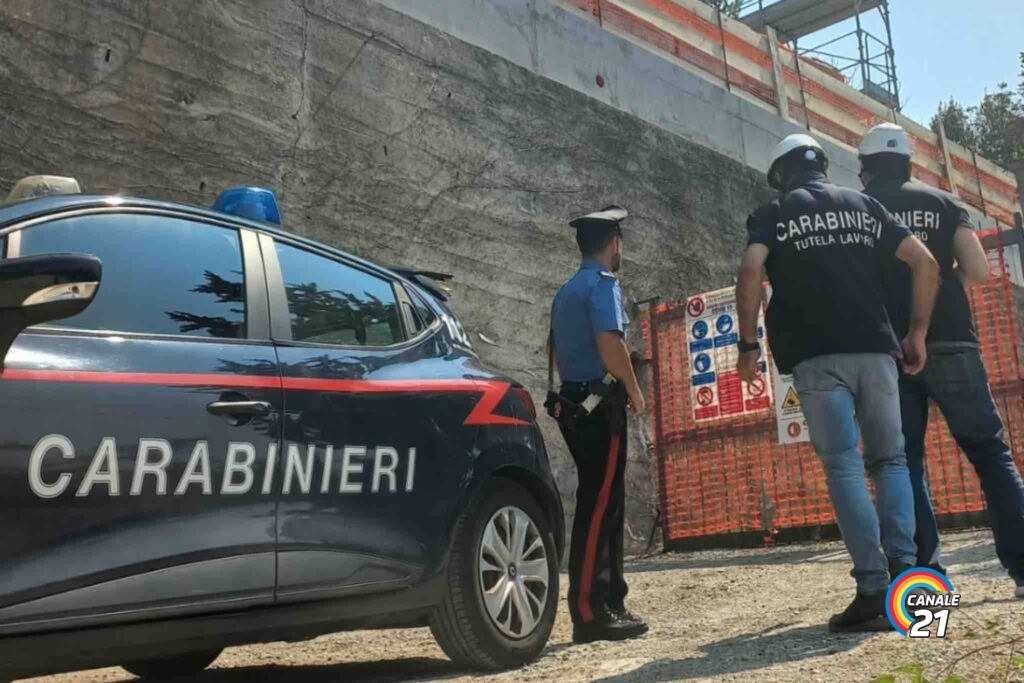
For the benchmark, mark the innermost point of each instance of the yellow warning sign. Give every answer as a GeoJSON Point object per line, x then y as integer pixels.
{"type": "Point", "coordinates": [791, 400]}
{"type": "Point", "coordinates": [788, 414]}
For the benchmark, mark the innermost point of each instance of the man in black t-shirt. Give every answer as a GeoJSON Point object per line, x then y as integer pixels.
{"type": "Point", "coordinates": [824, 248]}
{"type": "Point", "coordinates": [955, 376]}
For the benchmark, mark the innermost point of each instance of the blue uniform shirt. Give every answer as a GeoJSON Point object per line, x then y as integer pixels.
{"type": "Point", "coordinates": [590, 302]}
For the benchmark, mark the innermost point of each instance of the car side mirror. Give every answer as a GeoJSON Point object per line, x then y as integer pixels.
{"type": "Point", "coordinates": [39, 289]}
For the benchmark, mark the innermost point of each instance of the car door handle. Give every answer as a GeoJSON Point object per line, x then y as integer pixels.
{"type": "Point", "coordinates": [231, 408]}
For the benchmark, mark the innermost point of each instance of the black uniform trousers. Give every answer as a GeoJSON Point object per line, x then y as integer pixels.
{"type": "Point", "coordinates": [598, 445]}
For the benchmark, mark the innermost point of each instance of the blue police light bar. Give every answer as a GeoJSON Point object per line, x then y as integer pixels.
{"type": "Point", "coordinates": [256, 203]}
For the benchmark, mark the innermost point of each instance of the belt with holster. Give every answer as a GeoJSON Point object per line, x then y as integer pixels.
{"type": "Point", "coordinates": [560, 407]}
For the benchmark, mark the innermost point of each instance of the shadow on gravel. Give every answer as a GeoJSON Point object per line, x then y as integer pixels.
{"type": "Point", "coordinates": [976, 552]}
{"type": "Point", "coordinates": [748, 652]}
{"type": "Point", "coordinates": [660, 563]}
{"type": "Point", "coordinates": [392, 670]}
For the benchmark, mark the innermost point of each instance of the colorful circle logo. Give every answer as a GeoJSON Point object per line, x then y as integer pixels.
{"type": "Point", "coordinates": [896, 599]}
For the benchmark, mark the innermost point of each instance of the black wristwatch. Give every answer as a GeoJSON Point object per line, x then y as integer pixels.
{"type": "Point", "coordinates": [745, 346]}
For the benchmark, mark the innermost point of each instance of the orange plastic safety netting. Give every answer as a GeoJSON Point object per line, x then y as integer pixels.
{"type": "Point", "coordinates": [732, 476]}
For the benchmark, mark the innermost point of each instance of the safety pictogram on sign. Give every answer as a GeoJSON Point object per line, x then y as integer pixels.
{"type": "Point", "coordinates": [702, 363]}
{"type": "Point", "coordinates": [794, 429]}
{"type": "Point", "coordinates": [695, 307]}
{"type": "Point", "coordinates": [711, 319]}
{"type": "Point", "coordinates": [792, 400]}
{"type": "Point", "coordinates": [757, 393]}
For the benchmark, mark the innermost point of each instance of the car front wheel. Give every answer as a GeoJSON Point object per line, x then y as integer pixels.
{"type": "Point", "coordinates": [172, 667]}
{"type": "Point", "coordinates": [502, 581]}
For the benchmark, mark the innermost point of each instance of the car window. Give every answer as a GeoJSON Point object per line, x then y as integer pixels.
{"type": "Point", "coordinates": [161, 275]}
{"type": "Point", "coordinates": [416, 325]}
{"type": "Point", "coordinates": [421, 314]}
{"type": "Point", "coordinates": [332, 303]}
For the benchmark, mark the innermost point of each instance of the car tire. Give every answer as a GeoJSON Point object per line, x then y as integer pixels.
{"type": "Point", "coordinates": [474, 625]}
{"type": "Point", "coordinates": [172, 667]}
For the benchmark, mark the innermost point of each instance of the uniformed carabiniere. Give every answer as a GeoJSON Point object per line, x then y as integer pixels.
{"type": "Point", "coordinates": [954, 377]}
{"type": "Point", "coordinates": [588, 340]}
{"type": "Point", "coordinates": [824, 248]}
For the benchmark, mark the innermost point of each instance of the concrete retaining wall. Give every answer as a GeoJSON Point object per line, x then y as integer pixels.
{"type": "Point", "coordinates": [559, 43]}
{"type": "Point", "coordinates": [404, 143]}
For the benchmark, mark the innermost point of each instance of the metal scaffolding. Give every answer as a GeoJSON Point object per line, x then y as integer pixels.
{"type": "Point", "coordinates": [865, 59]}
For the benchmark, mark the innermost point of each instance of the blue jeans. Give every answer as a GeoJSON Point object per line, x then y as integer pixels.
{"type": "Point", "coordinates": [846, 397]}
{"type": "Point", "coordinates": [956, 380]}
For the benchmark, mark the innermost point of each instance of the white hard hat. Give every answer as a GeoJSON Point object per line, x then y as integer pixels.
{"type": "Point", "coordinates": [790, 144]}
{"type": "Point", "coordinates": [41, 186]}
{"type": "Point", "coordinates": [886, 138]}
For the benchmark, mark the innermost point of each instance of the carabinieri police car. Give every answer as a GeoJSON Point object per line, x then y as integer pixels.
{"type": "Point", "coordinates": [215, 432]}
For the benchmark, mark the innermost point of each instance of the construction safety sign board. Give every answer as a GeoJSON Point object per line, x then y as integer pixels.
{"type": "Point", "coordinates": [716, 391]}
{"type": "Point", "coordinates": [788, 413]}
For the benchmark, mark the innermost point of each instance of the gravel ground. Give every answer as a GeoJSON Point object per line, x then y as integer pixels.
{"type": "Point", "coordinates": [714, 616]}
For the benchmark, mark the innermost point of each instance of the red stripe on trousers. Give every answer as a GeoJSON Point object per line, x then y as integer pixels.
{"type": "Point", "coordinates": [590, 557]}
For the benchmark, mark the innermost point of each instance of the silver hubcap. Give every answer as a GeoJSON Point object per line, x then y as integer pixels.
{"type": "Point", "coordinates": [513, 568]}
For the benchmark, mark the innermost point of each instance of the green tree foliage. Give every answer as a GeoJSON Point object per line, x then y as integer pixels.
{"type": "Point", "coordinates": [957, 120]}
{"type": "Point", "coordinates": [994, 127]}
{"type": "Point", "coordinates": [730, 8]}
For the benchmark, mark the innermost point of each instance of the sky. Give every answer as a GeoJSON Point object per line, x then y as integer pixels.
{"type": "Point", "coordinates": [958, 48]}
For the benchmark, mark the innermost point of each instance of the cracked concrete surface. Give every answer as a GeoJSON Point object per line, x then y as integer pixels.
{"type": "Point", "coordinates": [384, 137]}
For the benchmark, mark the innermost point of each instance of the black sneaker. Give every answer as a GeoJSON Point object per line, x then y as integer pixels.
{"type": "Point", "coordinates": [865, 613]}
{"type": "Point", "coordinates": [607, 627]}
